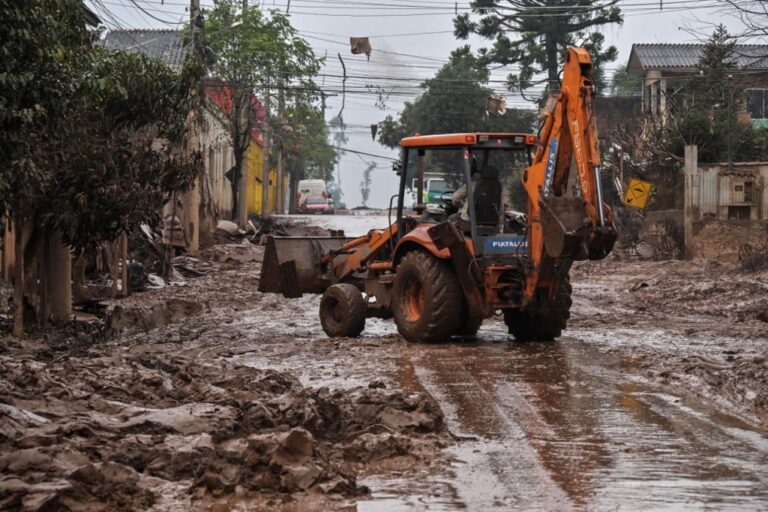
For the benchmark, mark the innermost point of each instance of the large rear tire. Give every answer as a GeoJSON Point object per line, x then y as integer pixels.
{"type": "Point", "coordinates": [546, 322]}
{"type": "Point", "coordinates": [426, 298]}
{"type": "Point", "coordinates": [469, 324]}
{"type": "Point", "coordinates": [342, 311]}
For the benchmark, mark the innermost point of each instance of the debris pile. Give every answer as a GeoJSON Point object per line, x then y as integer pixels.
{"type": "Point", "coordinates": [108, 430]}
{"type": "Point", "coordinates": [753, 258]}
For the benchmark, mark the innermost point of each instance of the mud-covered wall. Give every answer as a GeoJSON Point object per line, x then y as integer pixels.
{"type": "Point", "coordinates": [714, 189]}
{"type": "Point", "coordinates": [721, 239]}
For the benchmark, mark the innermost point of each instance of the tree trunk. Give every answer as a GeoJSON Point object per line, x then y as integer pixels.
{"type": "Point", "coordinates": [552, 65]}
{"type": "Point", "coordinates": [8, 251]}
{"type": "Point", "coordinates": [43, 310]}
{"type": "Point", "coordinates": [18, 279]}
{"type": "Point", "coordinates": [242, 192]}
{"type": "Point", "coordinates": [58, 277]}
{"type": "Point", "coordinates": [235, 183]}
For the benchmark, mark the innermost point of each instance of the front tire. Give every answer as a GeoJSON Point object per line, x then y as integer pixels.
{"type": "Point", "coordinates": [342, 311]}
{"type": "Point", "coordinates": [546, 322]}
{"type": "Point", "coordinates": [426, 298]}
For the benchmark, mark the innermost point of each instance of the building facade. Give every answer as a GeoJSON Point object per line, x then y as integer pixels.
{"type": "Point", "coordinates": [664, 70]}
{"type": "Point", "coordinates": [169, 47]}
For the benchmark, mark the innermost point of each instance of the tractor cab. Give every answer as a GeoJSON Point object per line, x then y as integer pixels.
{"type": "Point", "coordinates": [472, 180]}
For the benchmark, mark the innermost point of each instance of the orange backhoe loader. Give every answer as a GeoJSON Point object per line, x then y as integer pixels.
{"type": "Point", "coordinates": [515, 211]}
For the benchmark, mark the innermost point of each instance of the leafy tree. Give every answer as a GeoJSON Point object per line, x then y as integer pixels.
{"type": "Point", "coordinates": [544, 29]}
{"type": "Point", "coordinates": [365, 183]}
{"type": "Point", "coordinates": [308, 152]}
{"type": "Point", "coordinates": [622, 83]}
{"type": "Point", "coordinates": [79, 129]}
{"type": "Point", "coordinates": [261, 53]}
{"type": "Point", "coordinates": [453, 101]}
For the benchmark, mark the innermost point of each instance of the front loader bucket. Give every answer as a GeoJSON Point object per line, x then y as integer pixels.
{"type": "Point", "coordinates": [566, 226]}
{"type": "Point", "coordinates": [294, 264]}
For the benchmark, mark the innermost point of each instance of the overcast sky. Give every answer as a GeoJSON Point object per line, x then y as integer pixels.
{"type": "Point", "coordinates": [410, 41]}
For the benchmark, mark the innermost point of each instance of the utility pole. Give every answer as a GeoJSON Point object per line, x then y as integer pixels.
{"type": "Point", "coordinates": [265, 169]}
{"type": "Point", "coordinates": [191, 199]}
{"type": "Point", "coordinates": [730, 121]}
{"type": "Point", "coordinates": [279, 192]}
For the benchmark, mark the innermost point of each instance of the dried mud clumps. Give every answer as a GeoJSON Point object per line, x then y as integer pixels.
{"type": "Point", "coordinates": [108, 432]}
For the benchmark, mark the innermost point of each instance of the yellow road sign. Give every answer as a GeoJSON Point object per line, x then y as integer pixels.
{"type": "Point", "coordinates": [637, 193]}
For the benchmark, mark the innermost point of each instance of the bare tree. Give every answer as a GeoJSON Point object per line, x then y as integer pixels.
{"type": "Point", "coordinates": [754, 17]}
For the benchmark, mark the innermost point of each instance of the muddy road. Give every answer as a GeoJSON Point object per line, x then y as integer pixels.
{"type": "Point", "coordinates": [218, 397]}
{"type": "Point", "coordinates": [621, 413]}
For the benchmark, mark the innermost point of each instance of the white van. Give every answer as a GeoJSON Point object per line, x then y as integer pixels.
{"type": "Point", "coordinates": [310, 189]}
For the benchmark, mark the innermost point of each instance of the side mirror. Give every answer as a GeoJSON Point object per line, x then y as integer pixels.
{"type": "Point", "coordinates": [397, 166]}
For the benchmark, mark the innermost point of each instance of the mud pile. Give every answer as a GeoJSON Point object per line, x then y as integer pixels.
{"type": "Point", "coordinates": [114, 428]}
{"type": "Point", "coordinates": [714, 317]}
{"type": "Point", "coordinates": [677, 287]}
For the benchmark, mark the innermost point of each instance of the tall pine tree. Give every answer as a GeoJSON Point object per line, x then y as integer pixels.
{"type": "Point", "coordinates": [533, 34]}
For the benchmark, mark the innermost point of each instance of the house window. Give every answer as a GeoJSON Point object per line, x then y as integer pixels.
{"type": "Point", "coordinates": [739, 212]}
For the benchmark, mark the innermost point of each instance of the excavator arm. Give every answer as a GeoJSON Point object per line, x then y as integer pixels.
{"type": "Point", "coordinates": [567, 219]}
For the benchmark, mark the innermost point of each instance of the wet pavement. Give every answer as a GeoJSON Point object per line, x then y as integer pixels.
{"type": "Point", "coordinates": [563, 426]}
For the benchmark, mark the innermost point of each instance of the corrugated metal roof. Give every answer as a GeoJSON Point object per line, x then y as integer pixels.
{"type": "Point", "coordinates": [164, 45]}
{"type": "Point", "coordinates": [90, 17]}
{"type": "Point", "coordinates": [686, 56]}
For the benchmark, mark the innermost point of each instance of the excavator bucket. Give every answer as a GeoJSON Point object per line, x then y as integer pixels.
{"type": "Point", "coordinates": [565, 224]}
{"type": "Point", "coordinates": [294, 264]}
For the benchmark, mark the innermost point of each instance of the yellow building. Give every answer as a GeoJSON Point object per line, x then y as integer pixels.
{"type": "Point", "coordinates": [255, 164]}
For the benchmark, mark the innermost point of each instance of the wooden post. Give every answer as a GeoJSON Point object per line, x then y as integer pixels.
{"type": "Point", "coordinates": [690, 198]}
